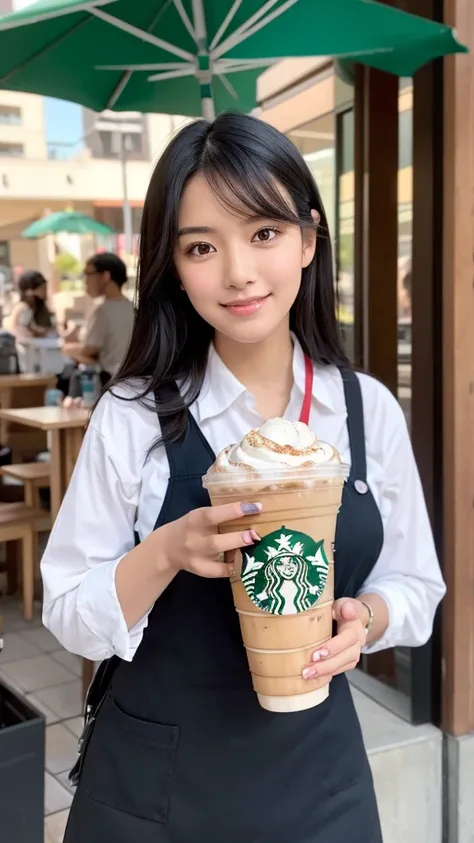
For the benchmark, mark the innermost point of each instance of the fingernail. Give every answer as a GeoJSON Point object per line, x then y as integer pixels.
{"type": "Point", "coordinates": [316, 656]}
{"type": "Point", "coordinates": [255, 536]}
{"type": "Point", "coordinates": [321, 654]}
{"type": "Point", "coordinates": [251, 508]}
{"type": "Point", "coordinates": [309, 673]}
{"type": "Point", "coordinates": [247, 537]}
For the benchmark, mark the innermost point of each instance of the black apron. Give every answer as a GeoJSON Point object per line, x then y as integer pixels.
{"type": "Point", "coordinates": [181, 751]}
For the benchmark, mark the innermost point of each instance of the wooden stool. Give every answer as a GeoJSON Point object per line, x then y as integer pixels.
{"type": "Point", "coordinates": [19, 523]}
{"type": "Point", "coordinates": [33, 475]}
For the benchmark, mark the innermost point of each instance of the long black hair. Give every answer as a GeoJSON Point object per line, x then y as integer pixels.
{"type": "Point", "coordinates": [246, 162]}
{"type": "Point", "coordinates": [29, 281]}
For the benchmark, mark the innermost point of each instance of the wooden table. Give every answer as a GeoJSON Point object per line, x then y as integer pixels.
{"type": "Point", "coordinates": [66, 429]}
{"type": "Point", "coordinates": [11, 383]}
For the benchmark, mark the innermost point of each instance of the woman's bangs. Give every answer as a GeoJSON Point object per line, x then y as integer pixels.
{"type": "Point", "coordinates": [249, 191]}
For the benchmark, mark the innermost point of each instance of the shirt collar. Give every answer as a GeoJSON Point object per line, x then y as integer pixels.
{"type": "Point", "coordinates": [221, 388]}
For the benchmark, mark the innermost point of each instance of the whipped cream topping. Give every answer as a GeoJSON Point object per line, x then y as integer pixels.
{"type": "Point", "coordinates": [277, 444]}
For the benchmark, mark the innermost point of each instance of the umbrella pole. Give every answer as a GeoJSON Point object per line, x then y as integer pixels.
{"type": "Point", "coordinates": [207, 106]}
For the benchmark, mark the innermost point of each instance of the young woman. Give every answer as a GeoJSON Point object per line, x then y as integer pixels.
{"type": "Point", "coordinates": [235, 289]}
{"type": "Point", "coordinates": [30, 317]}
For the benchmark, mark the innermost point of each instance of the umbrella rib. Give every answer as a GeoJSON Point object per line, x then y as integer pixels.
{"type": "Point", "coordinates": [225, 23]}
{"type": "Point", "coordinates": [173, 74]}
{"type": "Point", "coordinates": [172, 65]}
{"type": "Point", "coordinates": [184, 17]}
{"type": "Point", "coordinates": [42, 51]}
{"type": "Point", "coordinates": [142, 35]}
{"type": "Point", "coordinates": [119, 89]}
{"type": "Point", "coordinates": [252, 27]}
{"type": "Point", "coordinates": [221, 48]}
{"type": "Point", "coordinates": [225, 65]}
{"type": "Point", "coordinates": [228, 86]}
{"type": "Point", "coordinates": [81, 7]}
{"type": "Point", "coordinates": [241, 68]}
{"type": "Point", "coordinates": [125, 78]}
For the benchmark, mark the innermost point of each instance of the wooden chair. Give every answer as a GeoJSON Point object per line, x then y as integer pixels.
{"type": "Point", "coordinates": [19, 523]}
{"type": "Point", "coordinates": [33, 475]}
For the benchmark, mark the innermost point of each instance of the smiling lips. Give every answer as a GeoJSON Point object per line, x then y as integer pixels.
{"type": "Point", "coordinates": [245, 307]}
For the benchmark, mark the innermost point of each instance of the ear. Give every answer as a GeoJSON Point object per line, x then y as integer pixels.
{"type": "Point", "coordinates": [309, 240]}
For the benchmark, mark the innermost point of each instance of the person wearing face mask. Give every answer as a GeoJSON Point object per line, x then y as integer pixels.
{"type": "Point", "coordinates": [108, 331]}
{"type": "Point", "coordinates": [235, 325]}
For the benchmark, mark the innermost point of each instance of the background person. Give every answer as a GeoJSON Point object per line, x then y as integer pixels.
{"type": "Point", "coordinates": [30, 317]}
{"type": "Point", "coordinates": [109, 328]}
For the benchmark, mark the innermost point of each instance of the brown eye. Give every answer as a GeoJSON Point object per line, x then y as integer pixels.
{"type": "Point", "coordinates": [265, 235]}
{"type": "Point", "coordinates": [200, 250]}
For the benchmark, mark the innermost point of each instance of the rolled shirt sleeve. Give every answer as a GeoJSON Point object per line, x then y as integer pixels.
{"type": "Point", "coordinates": [407, 574]}
{"type": "Point", "coordinates": [93, 531]}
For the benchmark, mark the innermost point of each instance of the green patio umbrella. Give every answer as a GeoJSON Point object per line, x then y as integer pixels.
{"type": "Point", "coordinates": [198, 56]}
{"type": "Point", "coordinates": [71, 222]}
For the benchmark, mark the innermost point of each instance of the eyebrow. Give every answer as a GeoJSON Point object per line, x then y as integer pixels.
{"type": "Point", "coordinates": [196, 229]}
{"type": "Point", "coordinates": [204, 229]}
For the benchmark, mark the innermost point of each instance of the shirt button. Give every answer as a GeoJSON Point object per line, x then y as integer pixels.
{"type": "Point", "coordinates": [361, 487]}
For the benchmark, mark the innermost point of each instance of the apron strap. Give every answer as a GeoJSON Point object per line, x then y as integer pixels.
{"type": "Point", "coordinates": [191, 454]}
{"type": "Point", "coordinates": [355, 424]}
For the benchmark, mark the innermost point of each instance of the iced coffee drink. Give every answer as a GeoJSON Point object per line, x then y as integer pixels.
{"type": "Point", "coordinates": [283, 585]}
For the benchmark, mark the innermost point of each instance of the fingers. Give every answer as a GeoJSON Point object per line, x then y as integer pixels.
{"type": "Point", "coordinates": [347, 660]}
{"type": "Point", "coordinates": [344, 640]}
{"type": "Point", "coordinates": [347, 609]}
{"type": "Point", "coordinates": [221, 543]}
{"type": "Point", "coordinates": [211, 569]}
{"type": "Point", "coordinates": [215, 515]}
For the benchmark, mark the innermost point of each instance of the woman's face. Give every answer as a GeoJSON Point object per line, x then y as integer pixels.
{"type": "Point", "coordinates": [38, 292]}
{"type": "Point", "coordinates": [241, 275]}
{"type": "Point", "coordinates": [41, 292]}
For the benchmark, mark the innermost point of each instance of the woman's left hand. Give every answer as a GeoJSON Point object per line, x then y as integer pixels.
{"type": "Point", "coordinates": [342, 652]}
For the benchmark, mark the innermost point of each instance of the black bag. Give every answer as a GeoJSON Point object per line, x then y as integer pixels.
{"type": "Point", "coordinates": [96, 695]}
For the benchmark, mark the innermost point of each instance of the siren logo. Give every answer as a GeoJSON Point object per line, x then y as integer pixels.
{"type": "Point", "coordinates": [287, 572]}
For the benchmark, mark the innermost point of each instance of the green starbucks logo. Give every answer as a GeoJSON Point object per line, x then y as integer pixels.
{"type": "Point", "coordinates": [287, 572]}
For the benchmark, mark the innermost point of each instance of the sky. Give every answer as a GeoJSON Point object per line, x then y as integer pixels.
{"type": "Point", "coordinates": [63, 120]}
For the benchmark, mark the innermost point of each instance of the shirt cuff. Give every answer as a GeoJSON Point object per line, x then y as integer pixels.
{"type": "Point", "coordinates": [99, 609]}
{"type": "Point", "coordinates": [396, 618]}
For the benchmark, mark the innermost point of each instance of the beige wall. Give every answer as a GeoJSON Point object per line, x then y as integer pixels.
{"type": "Point", "coordinates": [30, 133]}
{"type": "Point", "coordinates": [78, 179]}
{"type": "Point", "coordinates": [72, 181]}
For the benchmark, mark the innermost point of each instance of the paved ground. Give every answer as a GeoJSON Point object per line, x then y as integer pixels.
{"type": "Point", "coordinates": [33, 663]}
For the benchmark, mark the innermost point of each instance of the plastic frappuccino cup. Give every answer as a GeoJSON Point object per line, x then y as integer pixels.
{"type": "Point", "coordinates": [283, 586]}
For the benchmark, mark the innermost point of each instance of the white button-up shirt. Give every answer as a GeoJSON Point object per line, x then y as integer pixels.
{"type": "Point", "coordinates": [115, 490]}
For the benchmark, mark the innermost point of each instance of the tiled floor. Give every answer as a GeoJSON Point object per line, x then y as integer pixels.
{"type": "Point", "coordinates": [33, 663]}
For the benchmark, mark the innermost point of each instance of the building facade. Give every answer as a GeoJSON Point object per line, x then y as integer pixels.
{"type": "Point", "coordinates": [35, 180]}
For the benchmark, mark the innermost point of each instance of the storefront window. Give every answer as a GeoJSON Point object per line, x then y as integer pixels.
{"type": "Point", "coordinates": [327, 145]}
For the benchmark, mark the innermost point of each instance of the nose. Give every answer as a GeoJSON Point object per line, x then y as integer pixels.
{"type": "Point", "coordinates": [238, 269]}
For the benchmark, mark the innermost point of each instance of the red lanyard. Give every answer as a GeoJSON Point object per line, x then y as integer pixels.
{"type": "Point", "coordinates": [308, 390]}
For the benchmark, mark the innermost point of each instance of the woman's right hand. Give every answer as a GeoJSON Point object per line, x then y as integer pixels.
{"type": "Point", "coordinates": [193, 543]}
